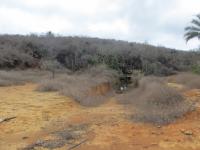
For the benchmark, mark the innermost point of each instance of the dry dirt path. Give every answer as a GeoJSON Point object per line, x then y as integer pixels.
{"type": "Point", "coordinates": [40, 117]}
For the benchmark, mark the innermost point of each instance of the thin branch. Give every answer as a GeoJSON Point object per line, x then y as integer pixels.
{"type": "Point", "coordinates": [7, 119]}
{"type": "Point", "coordinates": [77, 144]}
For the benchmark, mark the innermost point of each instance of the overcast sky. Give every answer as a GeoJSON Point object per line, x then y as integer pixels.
{"type": "Point", "coordinates": [158, 22]}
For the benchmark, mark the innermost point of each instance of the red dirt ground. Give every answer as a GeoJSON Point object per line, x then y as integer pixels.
{"type": "Point", "coordinates": [109, 127]}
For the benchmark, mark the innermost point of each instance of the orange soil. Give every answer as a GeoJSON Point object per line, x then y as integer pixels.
{"type": "Point", "coordinates": [38, 114]}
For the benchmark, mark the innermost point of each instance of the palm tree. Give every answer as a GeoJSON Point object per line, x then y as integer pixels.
{"type": "Point", "coordinates": [193, 31]}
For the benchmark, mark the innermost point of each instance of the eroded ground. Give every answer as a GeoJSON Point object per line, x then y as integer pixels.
{"type": "Point", "coordinates": [49, 120]}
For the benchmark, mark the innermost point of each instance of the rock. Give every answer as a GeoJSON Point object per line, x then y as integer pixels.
{"type": "Point", "coordinates": [167, 140]}
{"type": "Point", "coordinates": [156, 133]}
{"type": "Point", "coordinates": [154, 144]}
{"type": "Point", "coordinates": [25, 137]}
{"type": "Point", "coordinates": [1, 120]}
{"type": "Point", "coordinates": [182, 130]}
{"type": "Point", "coordinates": [186, 132]}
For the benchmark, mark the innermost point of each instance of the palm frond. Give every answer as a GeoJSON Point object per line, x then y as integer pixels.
{"type": "Point", "coordinates": [190, 35]}
{"type": "Point", "coordinates": [196, 22]}
{"type": "Point", "coordinates": [198, 16]}
{"type": "Point", "coordinates": [192, 28]}
{"type": "Point", "coordinates": [193, 31]}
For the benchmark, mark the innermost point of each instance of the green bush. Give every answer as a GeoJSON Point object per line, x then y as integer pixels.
{"type": "Point", "coordinates": [196, 69]}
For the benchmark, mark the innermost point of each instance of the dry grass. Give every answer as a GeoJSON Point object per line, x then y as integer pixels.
{"type": "Point", "coordinates": [190, 80]}
{"type": "Point", "coordinates": [155, 102]}
{"type": "Point", "coordinates": [87, 87]}
{"type": "Point", "coordinates": [79, 85]}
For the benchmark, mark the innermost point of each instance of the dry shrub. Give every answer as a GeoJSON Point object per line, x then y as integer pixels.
{"type": "Point", "coordinates": [155, 102]}
{"type": "Point", "coordinates": [79, 86]}
{"type": "Point", "coordinates": [190, 80]}
{"type": "Point", "coordinates": [15, 77]}
{"type": "Point", "coordinates": [20, 77]}
{"type": "Point", "coordinates": [50, 85]}
{"type": "Point", "coordinates": [8, 78]}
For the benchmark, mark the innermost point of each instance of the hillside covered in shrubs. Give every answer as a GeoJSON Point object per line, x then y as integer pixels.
{"type": "Point", "coordinates": [76, 53]}
{"type": "Point", "coordinates": [91, 71]}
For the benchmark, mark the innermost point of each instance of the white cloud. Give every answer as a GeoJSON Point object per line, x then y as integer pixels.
{"type": "Point", "coordinates": [157, 21]}
{"type": "Point", "coordinates": [116, 26]}
{"type": "Point", "coordinates": [16, 21]}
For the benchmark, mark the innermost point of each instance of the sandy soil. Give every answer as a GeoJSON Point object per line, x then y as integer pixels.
{"type": "Point", "coordinates": [107, 127]}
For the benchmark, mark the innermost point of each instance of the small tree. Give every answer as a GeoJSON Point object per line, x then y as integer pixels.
{"type": "Point", "coordinates": [52, 66]}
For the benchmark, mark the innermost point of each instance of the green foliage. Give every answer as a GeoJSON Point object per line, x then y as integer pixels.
{"type": "Point", "coordinates": [93, 60]}
{"type": "Point", "coordinates": [196, 69]}
{"type": "Point", "coordinates": [112, 62]}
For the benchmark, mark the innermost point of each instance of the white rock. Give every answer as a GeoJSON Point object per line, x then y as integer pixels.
{"type": "Point", "coordinates": [1, 120]}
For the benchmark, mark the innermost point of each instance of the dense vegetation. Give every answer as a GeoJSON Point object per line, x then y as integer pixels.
{"type": "Point", "coordinates": [75, 53]}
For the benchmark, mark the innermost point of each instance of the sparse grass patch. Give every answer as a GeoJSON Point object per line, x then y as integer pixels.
{"type": "Point", "coordinates": [64, 137]}
{"type": "Point", "coordinates": [190, 80]}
